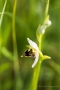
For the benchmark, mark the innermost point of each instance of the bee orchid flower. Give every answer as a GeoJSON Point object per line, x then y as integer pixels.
{"type": "Point", "coordinates": [34, 46]}
{"type": "Point", "coordinates": [34, 52]}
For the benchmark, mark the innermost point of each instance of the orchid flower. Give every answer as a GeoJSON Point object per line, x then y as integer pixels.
{"type": "Point", "coordinates": [35, 47]}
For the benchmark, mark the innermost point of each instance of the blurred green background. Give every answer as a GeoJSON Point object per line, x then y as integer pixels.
{"type": "Point", "coordinates": [29, 14]}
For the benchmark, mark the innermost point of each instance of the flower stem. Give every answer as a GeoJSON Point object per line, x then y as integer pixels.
{"type": "Point", "coordinates": [40, 43]}
{"type": "Point", "coordinates": [47, 8]}
{"type": "Point", "coordinates": [18, 83]}
{"type": "Point", "coordinates": [35, 76]}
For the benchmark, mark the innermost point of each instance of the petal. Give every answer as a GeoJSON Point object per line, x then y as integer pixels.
{"type": "Point", "coordinates": [32, 44]}
{"type": "Point", "coordinates": [36, 59]}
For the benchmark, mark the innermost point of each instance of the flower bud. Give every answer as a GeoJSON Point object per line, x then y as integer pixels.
{"type": "Point", "coordinates": [41, 29]}
{"type": "Point", "coordinates": [48, 23]}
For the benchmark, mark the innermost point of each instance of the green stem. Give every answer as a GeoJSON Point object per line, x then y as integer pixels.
{"type": "Point", "coordinates": [35, 76]}
{"type": "Point", "coordinates": [15, 52]}
{"type": "Point", "coordinates": [40, 43]}
{"type": "Point", "coordinates": [47, 8]}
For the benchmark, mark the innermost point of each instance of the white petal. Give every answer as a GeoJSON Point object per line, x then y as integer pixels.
{"type": "Point", "coordinates": [32, 44]}
{"type": "Point", "coordinates": [36, 59]}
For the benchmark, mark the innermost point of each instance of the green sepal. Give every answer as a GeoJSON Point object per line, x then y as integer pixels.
{"type": "Point", "coordinates": [46, 57]}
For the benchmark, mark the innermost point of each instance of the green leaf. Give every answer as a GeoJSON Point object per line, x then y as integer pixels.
{"type": "Point", "coordinates": [3, 12]}
{"type": "Point", "coordinates": [4, 67]}
{"type": "Point", "coordinates": [6, 53]}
